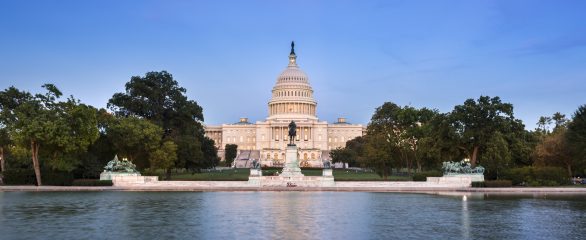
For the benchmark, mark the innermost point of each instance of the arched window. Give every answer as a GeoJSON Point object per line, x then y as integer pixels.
{"type": "Point", "coordinates": [268, 156]}
{"type": "Point", "coordinates": [304, 156]}
{"type": "Point", "coordinates": [312, 155]}
{"type": "Point", "coordinates": [276, 156]}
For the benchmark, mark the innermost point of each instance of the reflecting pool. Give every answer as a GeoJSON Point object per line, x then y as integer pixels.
{"type": "Point", "coordinates": [289, 215]}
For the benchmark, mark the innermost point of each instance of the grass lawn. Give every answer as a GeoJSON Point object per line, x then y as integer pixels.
{"type": "Point", "coordinates": [241, 174]}
{"type": "Point", "coordinates": [350, 175]}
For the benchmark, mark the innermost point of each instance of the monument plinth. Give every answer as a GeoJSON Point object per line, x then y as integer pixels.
{"type": "Point", "coordinates": [116, 168]}
{"type": "Point", "coordinates": [291, 168]}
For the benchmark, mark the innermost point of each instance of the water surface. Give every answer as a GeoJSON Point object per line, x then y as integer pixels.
{"type": "Point", "coordinates": [288, 215]}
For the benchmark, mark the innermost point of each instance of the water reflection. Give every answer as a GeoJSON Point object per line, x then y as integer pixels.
{"type": "Point", "coordinates": [289, 215]}
{"type": "Point", "coordinates": [465, 218]}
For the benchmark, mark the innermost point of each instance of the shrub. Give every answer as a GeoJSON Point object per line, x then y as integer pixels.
{"type": "Point", "coordinates": [498, 183]}
{"type": "Point", "coordinates": [537, 176]}
{"type": "Point", "coordinates": [478, 184]}
{"type": "Point", "coordinates": [27, 177]}
{"type": "Point", "coordinates": [19, 177]}
{"type": "Point", "coordinates": [92, 182]}
{"type": "Point", "coordinates": [57, 178]}
{"type": "Point", "coordinates": [422, 176]}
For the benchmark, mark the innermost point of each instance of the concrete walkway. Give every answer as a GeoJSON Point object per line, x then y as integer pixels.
{"type": "Point", "coordinates": [513, 190]}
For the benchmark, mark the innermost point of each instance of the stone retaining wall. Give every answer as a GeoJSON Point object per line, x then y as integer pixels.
{"type": "Point", "coordinates": [308, 182]}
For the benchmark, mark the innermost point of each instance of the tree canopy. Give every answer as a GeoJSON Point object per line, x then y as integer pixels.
{"type": "Point", "coordinates": [63, 129]}
{"type": "Point", "coordinates": [475, 122]}
{"type": "Point", "coordinates": [158, 98]}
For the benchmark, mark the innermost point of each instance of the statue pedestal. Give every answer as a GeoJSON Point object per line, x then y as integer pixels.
{"type": "Point", "coordinates": [291, 175]}
{"type": "Point", "coordinates": [255, 172]}
{"type": "Point", "coordinates": [111, 175]}
{"type": "Point", "coordinates": [291, 168]}
{"type": "Point", "coordinates": [474, 177]}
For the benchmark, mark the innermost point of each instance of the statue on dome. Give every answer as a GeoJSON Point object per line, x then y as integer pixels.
{"type": "Point", "coordinates": [292, 133]}
{"type": "Point", "coordinates": [292, 48]}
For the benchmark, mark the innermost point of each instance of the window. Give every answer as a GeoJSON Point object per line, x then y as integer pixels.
{"type": "Point", "coordinates": [304, 156]}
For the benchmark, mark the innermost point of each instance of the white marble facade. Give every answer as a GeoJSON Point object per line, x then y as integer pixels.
{"type": "Point", "coordinates": [292, 100]}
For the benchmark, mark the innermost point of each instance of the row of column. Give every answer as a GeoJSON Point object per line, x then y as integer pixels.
{"type": "Point", "coordinates": [303, 108]}
{"type": "Point", "coordinates": [282, 133]}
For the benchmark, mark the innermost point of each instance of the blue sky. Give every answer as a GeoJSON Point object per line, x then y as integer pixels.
{"type": "Point", "coordinates": [358, 54]}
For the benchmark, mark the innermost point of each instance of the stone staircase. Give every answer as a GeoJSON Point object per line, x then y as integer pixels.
{"type": "Point", "coordinates": [245, 158]}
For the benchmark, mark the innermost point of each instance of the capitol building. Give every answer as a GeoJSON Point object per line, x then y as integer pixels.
{"type": "Point", "coordinates": [292, 100]}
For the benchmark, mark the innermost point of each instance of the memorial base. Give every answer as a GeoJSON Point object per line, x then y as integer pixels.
{"type": "Point", "coordinates": [291, 168]}
{"type": "Point", "coordinates": [111, 175]}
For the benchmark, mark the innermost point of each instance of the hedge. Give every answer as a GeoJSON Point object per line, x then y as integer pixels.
{"type": "Point", "coordinates": [92, 182]}
{"type": "Point", "coordinates": [498, 183]}
{"type": "Point", "coordinates": [422, 176]}
{"type": "Point", "coordinates": [27, 177]}
{"type": "Point", "coordinates": [537, 176]}
{"type": "Point", "coordinates": [19, 177]}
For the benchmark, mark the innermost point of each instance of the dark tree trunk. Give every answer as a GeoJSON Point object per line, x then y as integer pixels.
{"type": "Point", "coordinates": [168, 174]}
{"type": "Point", "coordinates": [2, 159]}
{"type": "Point", "coordinates": [1, 165]}
{"type": "Point", "coordinates": [385, 172]}
{"type": "Point", "coordinates": [35, 156]}
{"type": "Point", "coordinates": [474, 155]}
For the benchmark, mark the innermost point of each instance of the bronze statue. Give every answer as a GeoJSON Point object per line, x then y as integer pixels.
{"type": "Point", "coordinates": [292, 132]}
{"type": "Point", "coordinates": [292, 48]}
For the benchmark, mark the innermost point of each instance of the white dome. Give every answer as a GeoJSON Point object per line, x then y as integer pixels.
{"type": "Point", "coordinates": [292, 95]}
{"type": "Point", "coordinates": [293, 75]}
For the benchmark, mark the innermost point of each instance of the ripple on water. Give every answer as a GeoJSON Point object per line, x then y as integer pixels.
{"type": "Point", "coordinates": [286, 215]}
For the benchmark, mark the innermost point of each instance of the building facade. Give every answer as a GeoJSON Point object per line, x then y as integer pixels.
{"type": "Point", "coordinates": [292, 100]}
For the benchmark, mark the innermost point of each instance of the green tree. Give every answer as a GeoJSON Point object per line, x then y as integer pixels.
{"type": "Point", "coordinates": [5, 141]}
{"type": "Point", "coordinates": [409, 131]}
{"type": "Point", "coordinates": [230, 153]}
{"type": "Point", "coordinates": [543, 124]}
{"type": "Point", "coordinates": [158, 98]}
{"type": "Point", "coordinates": [381, 154]}
{"type": "Point", "coordinates": [352, 153]}
{"type": "Point", "coordinates": [559, 119]}
{"type": "Point", "coordinates": [189, 154]}
{"type": "Point", "coordinates": [553, 150]}
{"type": "Point", "coordinates": [521, 143]}
{"type": "Point", "coordinates": [477, 121]}
{"type": "Point", "coordinates": [576, 137]}
{"type": "Point", "coordinates": [417, 133]}
{"type": "Point", "coordinates": [496, 156]}
{"type": "Point", "coordinates": [164, 157]}
{"type": "Point", "coordinates": [342, 155]}
{"type": "Point", "coordinates": [210, 153]}
{"type": "Point", "coordinates": [445, 140]}
{"type": "Point", "coordinates": [383, 142]}
{"type": "Point", "coordinates": [62, 128]}
{"type": "Point", "coordinates": [135, 138]}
